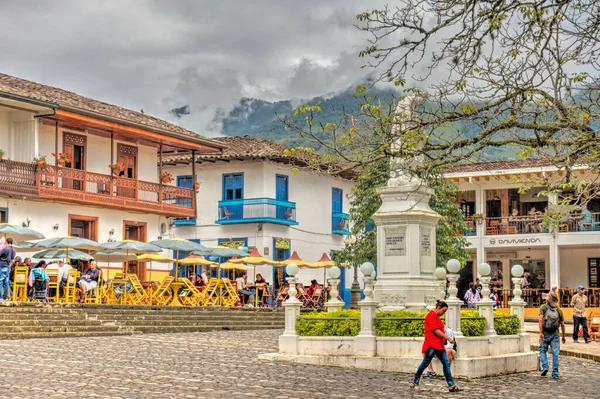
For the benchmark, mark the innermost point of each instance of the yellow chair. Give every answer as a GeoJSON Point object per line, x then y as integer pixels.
{"type": "Point", "coordinates": [54, 284]}
{"type": "Point", "coordinates": [162, 295]}
{"type": "Point", "coordinates": [136, 294]}
{"type": "Point", "coordinates": [20, 284]}
{"type": "Point", "coordinates": [211, 292]}
{"type": "Point", "coordinates": [96, 295]}
{"type": "Point", "coordinates": [71, 289]}
{"type": "Point", "coordinates": [191, 297]}
{"type": "Point", "coordinates": [229, 297]}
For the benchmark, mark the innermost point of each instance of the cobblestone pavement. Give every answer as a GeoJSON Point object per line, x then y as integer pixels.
{"type": "Point", "coordinates": [224, 365]}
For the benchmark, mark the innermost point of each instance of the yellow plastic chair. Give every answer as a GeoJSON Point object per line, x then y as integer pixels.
{"type": "Point", "coordinates": [229, 296]}
{"type": "Point", "coordinates": [211, 292]}
{"type": "Point", "coordinates": [20, 284]}
{"type": "Point", "coordinates": [71, 289]}
{"type": "Point", "coordinates": [54, 284]}
{"type": "Point", "coordinates": [192, 296]}
{"type": "Point", "coordinates": [96, 295]}
{"type": "Point", "coordinates": [162, 295]}
{"type": "Point", "coordinates": [136, 294]}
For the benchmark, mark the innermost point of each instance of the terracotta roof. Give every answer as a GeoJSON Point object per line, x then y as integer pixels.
{"type": "Point", "coordinates": [68, 100]}
{"type": "Point", "coordinates": [247, 147]}
{"type": "Point", "coordinates": [497, 165]}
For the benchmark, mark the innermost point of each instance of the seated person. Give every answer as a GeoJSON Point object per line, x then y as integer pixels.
{"type": "Point", "coordinates": [311, 289]}
{"type": "Point", "coordinates": [38, 280]}
{"type": "Point", "coordinates": [262, 283]}
{"type": "Point", "coordinates": [199, 283]}
{"type": "Point", "coordinates": [587, 219]}
{"type": "Point", "coordinates": [242, 288]}
{"type": "Point", "coordinates": [89, 280]}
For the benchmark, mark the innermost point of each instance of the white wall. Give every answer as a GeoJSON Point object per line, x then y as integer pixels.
{"type": "Point", "coordinates": [4, 132]}
{"type": "Point", "coordinates": [574, 265]}
{"type": "Point", "coordinates": [98, 152]}
{"type": "Point", "coordinates": [311, 193]}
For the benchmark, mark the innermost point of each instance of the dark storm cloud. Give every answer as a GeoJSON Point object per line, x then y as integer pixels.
{"type": "Point", "coordinates": [159, 55]}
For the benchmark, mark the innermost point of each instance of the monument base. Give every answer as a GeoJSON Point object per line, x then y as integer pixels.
{"type": "Point", "coordinates": [406, 249]}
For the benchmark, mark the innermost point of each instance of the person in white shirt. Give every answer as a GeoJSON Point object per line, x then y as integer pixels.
{"type": "Point", "coordinates": [450, 351]}
{"type": "Point", "coordinates": [242, 288]}
{"type": "Point", "coordinates": [63, 274]}
{"type": "Point", "coordinates": [53, 265]}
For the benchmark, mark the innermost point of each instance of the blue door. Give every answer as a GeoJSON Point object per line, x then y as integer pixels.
{"type": "Point", "coordinates": [233, 190]}
{"type": "Point", "coordinates": [185, 182]}
{"type": "Point", "coordinates": [281, 194]}
{"type": "Point", "coordinates": [279, 274]}
{"type": "Point", "coordinates": [336, 207]}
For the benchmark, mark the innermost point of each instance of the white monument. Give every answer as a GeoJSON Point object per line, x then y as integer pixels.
{"type": "Point", "coordinates": [406, 225]}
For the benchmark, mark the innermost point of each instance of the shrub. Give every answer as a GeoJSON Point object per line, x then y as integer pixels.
{"type": "Point", "coordinates": [329, 328]}
{"type": "Point", "coordinates": [506, 324]}
{"type": "Point", "coordinates": [471, 327]}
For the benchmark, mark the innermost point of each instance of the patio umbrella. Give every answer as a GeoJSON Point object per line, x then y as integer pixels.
{"type": "Point", "coordinates": [220, 251]}
{"type": "Point", "coordinates": [19, 233]}
{"type": "Point", "coordinates": [324, 262]}
{"type": "Point", "coordinates": [179, 245]}
{"type": "Point", "coordinates": [67, 243]}
{"type": "Point", "coordinates": [295, 259]}
{"type": "Point", "coordinates": [255, 259]}
{"type": "Point", "coordinates": [62, 253]}
{"type": "Point", "coordinates": [154, 258]}
{"type": "Point", "coordinates": [130, 247]}
{"type": "Point", "coordinates": [233, 266]}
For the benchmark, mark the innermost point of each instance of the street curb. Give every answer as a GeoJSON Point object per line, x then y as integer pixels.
{"type": "Point", "coordinates": [564, 352]}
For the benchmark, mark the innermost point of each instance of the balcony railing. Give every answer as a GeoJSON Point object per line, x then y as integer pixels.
{"type": "Point", "coordinates": [575, 222]}
{"type": "Point", "coordinates": [73, 185]}
{"type": "Point", "coordinates": [339, 223]}
{"type": "Point", "coordinates": [252, 210]}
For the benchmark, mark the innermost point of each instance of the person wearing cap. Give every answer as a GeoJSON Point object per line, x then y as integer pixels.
{"type": "Point", "coordinates": [578, 303]}
{"type": "Point", "coordinates": [550, 320]}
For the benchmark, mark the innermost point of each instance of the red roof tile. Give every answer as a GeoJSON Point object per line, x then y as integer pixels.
{"type": "Point", "coordinates": [67, 99]}
{"type": "Point", "coordinates": [497, 165]}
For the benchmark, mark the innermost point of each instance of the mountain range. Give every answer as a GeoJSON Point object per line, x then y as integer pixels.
{"type": "Point", "coordinates": [261, 119]}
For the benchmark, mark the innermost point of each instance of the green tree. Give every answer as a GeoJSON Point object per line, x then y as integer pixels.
{"type": "Point", "coordinates": [364, 202]}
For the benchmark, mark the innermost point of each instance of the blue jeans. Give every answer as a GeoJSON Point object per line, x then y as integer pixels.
{"type": "Point", "coordinates": [248, 293]}
{"type": "Point", "coordinates": [553, 341]}
{"type": "Point", "coordinates": [4, 282]}
{"type": "Point", "coordinates": [427, 358]}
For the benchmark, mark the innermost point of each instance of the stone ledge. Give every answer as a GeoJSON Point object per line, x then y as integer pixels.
{"type": "Point", "coordinates": [474, 367]}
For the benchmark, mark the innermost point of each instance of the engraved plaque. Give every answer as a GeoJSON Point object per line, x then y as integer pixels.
{"type": "Point", "coordinates": [395, 242]}
{"type": "Point", "coordinates": [425, 242]}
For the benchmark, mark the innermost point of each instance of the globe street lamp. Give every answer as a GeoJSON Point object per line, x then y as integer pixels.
{"type": "Point", "coordinates": [355, 287]}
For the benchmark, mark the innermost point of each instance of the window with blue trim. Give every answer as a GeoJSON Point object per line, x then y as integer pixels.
{"type": "Point", "coordinates": [282, 194]}
{"type": "Point", "coordinates": [185, 182]}
{"type": "Point", "coordinates": [337, 195]}
{"type": "Point", "coordinates": [233, 186]}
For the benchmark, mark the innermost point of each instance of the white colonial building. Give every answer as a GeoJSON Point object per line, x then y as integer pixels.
{"type": "Point", "coordinates": [251, 195]}
{"type": "Point", "coordinates": [84, 197]}
{"type": "Point", "coordinates": [506, 227]}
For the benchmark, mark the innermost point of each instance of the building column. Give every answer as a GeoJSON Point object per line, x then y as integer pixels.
{"type": "Point", "coordinates": [554, 264]}
{"type": "Point", "coordinates": [479, 208]}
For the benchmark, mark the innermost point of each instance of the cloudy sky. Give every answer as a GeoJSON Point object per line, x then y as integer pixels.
{"type": "Point", "coordinates": [157, 55]}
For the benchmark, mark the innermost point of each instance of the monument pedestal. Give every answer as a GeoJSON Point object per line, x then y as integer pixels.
{"type": "Point", "coordinates": [406, 252]}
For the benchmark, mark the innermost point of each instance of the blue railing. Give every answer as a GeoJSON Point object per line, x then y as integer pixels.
{"type": "Point", "coordinates": [339, 223]}
{"type": "Point", "coordinates": [254, 210]}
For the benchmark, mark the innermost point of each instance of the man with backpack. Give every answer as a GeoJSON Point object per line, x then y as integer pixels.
{"type": "Point", "coordinates": [550, 319]}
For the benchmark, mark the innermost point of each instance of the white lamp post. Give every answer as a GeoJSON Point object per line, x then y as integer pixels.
{"type": "Point", "coordinates": [453, 314]}
{"type": "Point", "coordinates": [440, 274]}
{"type": "Point", "coordinates": [334, 303]}
{"type": "Point", "coordinates": [367, 270]}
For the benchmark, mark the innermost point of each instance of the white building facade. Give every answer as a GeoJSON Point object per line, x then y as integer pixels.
{"type": "Point", "coordinates": [83, 196]}
{"type": "Point", "coordinates": [251, 195]}
{"type": "Point", "coordinates": [506, 225]}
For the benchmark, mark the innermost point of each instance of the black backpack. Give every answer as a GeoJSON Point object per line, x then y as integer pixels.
{"type": "Point", "coordinates": [551, 320]}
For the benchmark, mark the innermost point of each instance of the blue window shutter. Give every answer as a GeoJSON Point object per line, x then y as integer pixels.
{"type": "Point", "coordinates": [336, 200]}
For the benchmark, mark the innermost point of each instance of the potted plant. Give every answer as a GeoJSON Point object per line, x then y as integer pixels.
{"type": "Point", "coordinates": [166, 177]}
{"type": "Point", "coordinates": [116, 168]}
{"type": "Point", "coordinates": [1, 154]}
{"type": "Point", "coordinates": [63, 158]}
{"type": "Point", "coordinates": [479, 217]}
{"type": "Point", "coordinates": [40, 160]}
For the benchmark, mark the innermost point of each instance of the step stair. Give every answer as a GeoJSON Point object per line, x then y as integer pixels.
{"type": "Point", "coordinates": [45, 320]}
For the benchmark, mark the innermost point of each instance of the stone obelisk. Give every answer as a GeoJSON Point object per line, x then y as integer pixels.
{"type": "Point", "coordinates": [406, 227]}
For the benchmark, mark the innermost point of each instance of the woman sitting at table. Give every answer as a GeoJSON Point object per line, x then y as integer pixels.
{"type": "Point", "coordinates": [199, 283]}
{"type": "Point", "coordinates": [311, 289]}
{"type": "Point", "coordinates": [89, 280]}
{"type": "Point", "coordinates": [261, 287]}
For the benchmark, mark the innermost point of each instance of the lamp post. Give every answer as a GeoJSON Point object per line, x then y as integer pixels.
{"type": "Point", "coordinates": [355, 287]}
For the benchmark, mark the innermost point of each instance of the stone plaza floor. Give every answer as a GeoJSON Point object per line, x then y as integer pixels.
{"type": "Point", "coordinates": [224, 365]}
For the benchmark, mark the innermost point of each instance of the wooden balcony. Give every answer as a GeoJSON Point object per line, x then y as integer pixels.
{"type": "Point", "coordinates": [73, 185]}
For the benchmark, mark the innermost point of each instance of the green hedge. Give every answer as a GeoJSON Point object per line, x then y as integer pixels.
{"type": "Point", "coordinates": [506, 324]}
{"type": "Point", "coordinates": [471, 327]}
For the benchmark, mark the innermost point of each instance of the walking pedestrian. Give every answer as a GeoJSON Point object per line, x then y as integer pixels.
{"type": "Point", "coordinates": [578, 303]}
{"type": "Point", "coordinates": [550, 319]}
{"type": "Point", "coordinates": [434, 346]}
